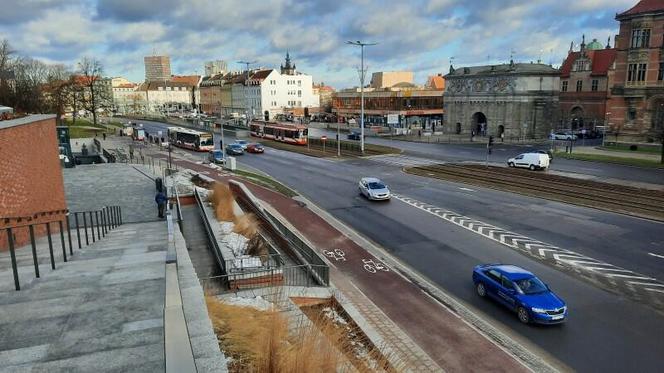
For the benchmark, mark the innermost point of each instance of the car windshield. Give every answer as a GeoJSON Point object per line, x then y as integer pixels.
{"type": "Point", "coordinates": [531, 285]}
{"type": "Point", "coordinates": [376, 185]}
{"type": "Point", "coordinates": [236, 146]}
{"type": "Point", "coordinates": [258, 146]}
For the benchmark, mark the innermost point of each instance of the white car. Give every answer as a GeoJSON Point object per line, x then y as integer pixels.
{"type": "Point", "coordinates": [532, 161]}
{"type": "Point", "coordinates": [374, 189]}
{"type": "Point", "coordinates": [242, 143]}
{"type": "Point", "coordinates": [562, 136]}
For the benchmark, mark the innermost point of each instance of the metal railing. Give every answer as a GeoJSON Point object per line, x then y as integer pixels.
{"type": "Point", "coordinates": [296, 275]}
{"type": "Point", "coordinates": [210, 234]}
{"type": "Point", "coordinates": [178, 207]}
{"type": "Point", "coordinates": [96, 224]}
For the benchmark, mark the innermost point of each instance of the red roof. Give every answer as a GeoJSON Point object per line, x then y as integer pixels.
{"type": "Point", "coordinates": [644, 6]}
{"type": "Point", "coordinates": [602, 59]}
{"type": "Point", "coordinates": [191, 80]}
{"type": "Point", "coordinates": [260, 74]}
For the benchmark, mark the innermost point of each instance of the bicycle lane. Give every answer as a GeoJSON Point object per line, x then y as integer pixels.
{"type": "Point", "coordinates": [453, 344]}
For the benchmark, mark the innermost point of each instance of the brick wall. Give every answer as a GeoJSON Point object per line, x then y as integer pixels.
{"type": "Point", "coordinates": [32, 187]}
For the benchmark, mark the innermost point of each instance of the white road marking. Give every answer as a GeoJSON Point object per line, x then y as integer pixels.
{"type": "Point", "coordinates": [467, 189]}
{"type": "Point", "coordinates": [545, 251]}
{"type": "Point", "coordinates": [656, 255]}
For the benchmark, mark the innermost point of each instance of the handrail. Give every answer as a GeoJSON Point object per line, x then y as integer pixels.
{"type": "Point", "coordinates": [209, 233]}
{"type": "Point", "coordinates": [105, 218]}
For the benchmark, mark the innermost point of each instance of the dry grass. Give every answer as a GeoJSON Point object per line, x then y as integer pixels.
{"type": "Point", "coordinates": [258, 247]}
{"type": "Point", "coordinates": [222, 200]}
{"type": "Point", "coordinates": [246, 225]}
{"type": "Point", "coordinates": [259, 341]}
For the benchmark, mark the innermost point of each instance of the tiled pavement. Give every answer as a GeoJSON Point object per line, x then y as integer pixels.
{"type": "Point", "coordinates": [101, 311]}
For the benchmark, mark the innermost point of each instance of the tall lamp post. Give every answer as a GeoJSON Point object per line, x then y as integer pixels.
{"type": "Point", "coordinates": [246, 91]}
{"type": "Point", "coordinates": [361, 45]}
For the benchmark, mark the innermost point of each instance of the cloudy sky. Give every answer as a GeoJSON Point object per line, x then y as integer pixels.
{"type": "Point", "coordinates": [416, 35]}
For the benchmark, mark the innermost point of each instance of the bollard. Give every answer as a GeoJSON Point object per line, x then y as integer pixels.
{"type": "Point", "coordinates": [62, 241]}
{"type": "Point", "coordinates": [85, 229]}
{"type": "Point", "coordinates": [34, 249]}
{"type": "Point", "coordinates": [78, 233]}
{"type": "Point", "coordinates": [10, 238]}
{"type": "Point", "coordinates": [50, 244]}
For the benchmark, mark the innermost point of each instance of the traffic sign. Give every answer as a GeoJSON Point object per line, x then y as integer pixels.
{"type": "Point", "coordinates": [323, 138]}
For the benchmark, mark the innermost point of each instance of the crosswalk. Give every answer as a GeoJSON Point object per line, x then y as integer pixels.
{"type": "Point", "coordinates": [403, 160]}
{"type": "Point", "coordinates": [610, 276]}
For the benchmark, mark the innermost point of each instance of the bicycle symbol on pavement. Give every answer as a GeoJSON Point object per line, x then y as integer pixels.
{"type": "Point", "coordinates": [373, 266]}
{"type": "Point", "coordinates": [336, 254]}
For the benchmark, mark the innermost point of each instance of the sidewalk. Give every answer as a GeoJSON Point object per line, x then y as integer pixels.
{"type": "Point", "coordinates": [618, 154]}
{"type": "Point", "coordinates": [412, 323]}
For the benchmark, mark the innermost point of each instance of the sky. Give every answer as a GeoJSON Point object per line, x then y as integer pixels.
{"type": "Point", "coordinates": [422, 36]}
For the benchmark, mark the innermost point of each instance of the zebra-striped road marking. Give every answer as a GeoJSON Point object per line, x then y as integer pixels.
{"type": "Point", "coordinates": [544, 251]}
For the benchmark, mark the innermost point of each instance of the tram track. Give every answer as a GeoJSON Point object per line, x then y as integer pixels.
{"type": "Point", "coordinates": [633, 201]}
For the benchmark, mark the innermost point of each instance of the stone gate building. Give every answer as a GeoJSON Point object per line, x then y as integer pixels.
{"type": "Point", "coordinates": [519, 100]}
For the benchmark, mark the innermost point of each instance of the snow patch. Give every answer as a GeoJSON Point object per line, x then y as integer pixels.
{"type": "Point", "coordinates": [257, 303]}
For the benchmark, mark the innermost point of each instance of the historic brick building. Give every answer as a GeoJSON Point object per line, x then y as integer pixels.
{"type": "Point", "coordinates": [32, 187]}
{"type": "Point", "coordinates": [636, 103]}
{"type": "Point", "coordinates": [519, 100]}
{"type": "Point", "coordinates": [584, 85]}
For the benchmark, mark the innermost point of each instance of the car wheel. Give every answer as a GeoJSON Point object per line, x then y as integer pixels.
{"type": "Point", "coordinates": [522, 313]}
{"type": "Point", "coordinates": [510, 164]}
{"type": "Point", "coordinates": [481, 290]}
{"type": "Point", "coordinates": [532, 167]}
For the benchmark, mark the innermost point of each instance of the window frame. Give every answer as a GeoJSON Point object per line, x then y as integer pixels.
{"type": "Point", "coordinates": [563, 87]}
{"type": "Point", "coordinates": [594, 85]}
{"type": "Point", "coordinates": [579, 85]}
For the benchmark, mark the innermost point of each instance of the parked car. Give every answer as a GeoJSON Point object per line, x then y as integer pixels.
{"type": "Point", "coordinates": [242, 143]}
{"type": "Point", "coordinates": [255, 148]}
{"type": "Point", "coordinates": [234, 149]}
{"type": "Point", "coordinates": [521, 291]}
{"type": "Point", "coordinates": [562, 136]}
{"type": "Point", "coordinates": [533, 161]}
{"type": "Point", "coordinates": [374, 189]}
{"type": "Point", "coordinates": [216, 156]}
{"type": "Point", "coordinates": [547, 152]}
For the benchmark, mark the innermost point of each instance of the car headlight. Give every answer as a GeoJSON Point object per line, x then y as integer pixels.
{"type": "Point", "coordinates": [538, 310]}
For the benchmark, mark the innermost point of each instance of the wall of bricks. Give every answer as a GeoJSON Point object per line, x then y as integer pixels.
{"type": "Point", "coordinates": [32, 186]}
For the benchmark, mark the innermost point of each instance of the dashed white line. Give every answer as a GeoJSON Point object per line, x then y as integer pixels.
{"type": "Point", "coordinates": [656, 255]}
{"type": "Point", "coordinates": [467, 189]}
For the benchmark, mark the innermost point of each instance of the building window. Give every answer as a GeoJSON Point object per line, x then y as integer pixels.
{"type": "Point", "coordinates": [579, 85]}
{"type": "Point", "coordinates": [660, 74]}
{"type": "Point", "coordinates": [631, 72]}
{"type": "Point", "coordinates": [564, 87]}
{"type": "Point", "coordinates": [299, 83]}
{"type": "Point", "coordinates": [595, 84]}
{"type": "Point", "coordinates": [299, 93]}
{"type": "Point", "coordinates": [641, 76]}
{"type": "Point", "coordinates": [640, 38]}
{"type": "Point", "coordinates": [631, 114]}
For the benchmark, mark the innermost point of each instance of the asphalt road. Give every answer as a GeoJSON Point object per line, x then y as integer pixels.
{"type": "Point", "coordinates": [477, 152]}
{"type": "Point", "coordinates": [605, 331]}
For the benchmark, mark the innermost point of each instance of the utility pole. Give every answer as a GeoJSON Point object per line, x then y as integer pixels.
{"type": "Point", "coordinates": [362, 75]}
{"type": "Point", "coordinates": [246, 90]}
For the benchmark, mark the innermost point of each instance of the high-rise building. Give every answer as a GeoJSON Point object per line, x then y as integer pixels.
{"type": "Point", "coordinates": [215, 67]}
{"type": "Point", "coordinates": [157, 68]}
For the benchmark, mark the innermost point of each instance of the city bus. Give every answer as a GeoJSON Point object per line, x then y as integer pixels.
{"type": "Point", "coordinates": [190, 139]}
{"type": "Point", "coordinates": [284, 132]}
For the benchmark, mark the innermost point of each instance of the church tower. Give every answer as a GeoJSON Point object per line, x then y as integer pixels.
{"type": "Point", "coordinates": [288, 69]}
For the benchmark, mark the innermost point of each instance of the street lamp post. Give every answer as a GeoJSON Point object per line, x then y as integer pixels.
{"type": "Point", "coordinates": [246, 91]}
{"type": "Point", "coordinates": [361, 45]}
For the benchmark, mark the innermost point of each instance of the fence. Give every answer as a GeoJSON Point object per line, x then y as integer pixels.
{"type": "Point", "coordinates": [331, 145]}
{"type": "Point", "coordinates": [297, 275]}
{"type": "Point", "coordinates": [103, 220]}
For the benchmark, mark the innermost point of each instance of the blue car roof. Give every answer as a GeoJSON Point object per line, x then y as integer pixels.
{"type": "Point", "coordinates": [513, 272]}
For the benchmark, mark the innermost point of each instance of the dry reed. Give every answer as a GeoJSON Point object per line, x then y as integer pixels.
{"type": "Point", "coordinates": [259, 341]}
{"type": "Point", "coordinates": [246, 225]}
{"type": "Point", "coordinates": [222, 201]}
{"type": "Point", "coordinates": [256, 246]}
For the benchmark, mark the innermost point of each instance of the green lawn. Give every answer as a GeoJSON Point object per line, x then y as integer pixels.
{"type": "Point", "coordinates": [625, 148]}
{"type": "Point", "coordinates": [610, 159]}
{"type": "Point", "coordinates": [267, 182]}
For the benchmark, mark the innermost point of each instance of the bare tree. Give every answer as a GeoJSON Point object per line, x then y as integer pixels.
{"type": "Point", "coordinates": [59, 90]}
{"type": "Point", "coordinates": [657, 128]}
{"type": "Point", "coordinates": [30, 76]}
{"type": "Point", "coordinates": [95, 96]}
{"type": "Point", "coordinates": [6, 73]}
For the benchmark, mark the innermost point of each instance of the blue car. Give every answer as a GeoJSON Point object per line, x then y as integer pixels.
{"type": "Point", "coordinates": [521, 291]}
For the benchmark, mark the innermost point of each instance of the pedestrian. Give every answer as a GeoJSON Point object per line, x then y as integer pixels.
{"type": "Point", "coordinates": [104, 135]}
{"type": "Point", "coordinates": [161, 199]}
{"type": "Point", "coordinates": [472, 135]}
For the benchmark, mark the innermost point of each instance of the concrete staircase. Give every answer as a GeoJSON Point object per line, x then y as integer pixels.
{"type": "Point", "coordinates": [100, 311]}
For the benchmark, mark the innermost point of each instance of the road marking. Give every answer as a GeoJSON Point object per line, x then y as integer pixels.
{"type": "Point", "coordinates": [656, 255]}
{"type": "Point", "coordinates": [467, 189]}
{"type": "Point", "coordinates": [574, 261]}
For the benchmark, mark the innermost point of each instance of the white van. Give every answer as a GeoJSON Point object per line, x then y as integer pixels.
{"type": "Point", "coordinates": [533, 161]}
